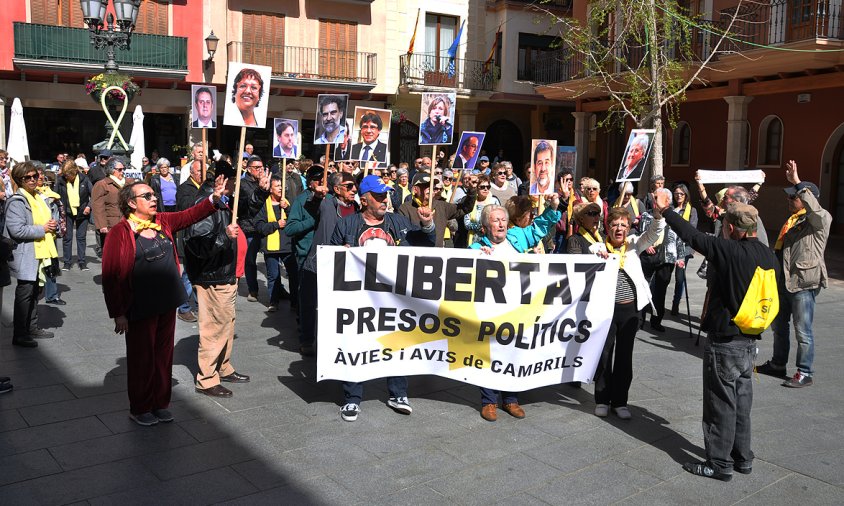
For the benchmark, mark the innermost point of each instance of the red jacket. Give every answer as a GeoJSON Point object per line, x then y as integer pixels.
{"type": "Point", "coordinates": [119, 254]}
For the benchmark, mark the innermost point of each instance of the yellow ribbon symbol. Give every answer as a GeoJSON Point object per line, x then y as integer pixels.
{"type": "Point", "coordinates": [114, 124]}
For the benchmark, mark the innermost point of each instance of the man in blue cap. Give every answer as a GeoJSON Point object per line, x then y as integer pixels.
{"type": "Point", "coordinates": [374, 226]}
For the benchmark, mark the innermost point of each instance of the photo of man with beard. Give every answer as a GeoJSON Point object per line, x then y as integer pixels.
{"type": "Point", "coordinates": [330, 119]}
{"type": "Point", "coordinates": [542, 168]}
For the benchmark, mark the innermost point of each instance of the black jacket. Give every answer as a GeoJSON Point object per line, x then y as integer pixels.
{"type": "Point", "coordinates": [252, 197]}
{"type": "Point", "coordinates": [96, 173]}
{"type": "Point", "coordinates": [85, 187]}
{"type": "Point", "coordinates": [210, 254]}
{"type": "Point", "coordinates": [265, 227]}
{"type": "Point", "coordinates": [731, 267]}
{"type": "Point", "coordinates": [327, 218]}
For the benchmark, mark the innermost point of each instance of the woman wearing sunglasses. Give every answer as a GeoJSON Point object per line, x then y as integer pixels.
{"type": "Point", "coordinates": [143, 288]}
{"type": "Point", "coordinates": [587, 216]}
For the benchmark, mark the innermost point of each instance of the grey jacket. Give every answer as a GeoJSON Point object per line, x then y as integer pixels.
{"type": "Point", "coordinates": [803, 266]}
{"type": "Point", "coordinates": [19, 228]}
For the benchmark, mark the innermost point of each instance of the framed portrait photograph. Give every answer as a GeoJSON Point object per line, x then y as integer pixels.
{"type": "Point", "coordinates": [371, 135]}
{"type": "Point", "coordinates": [330, 124]}
{"type": "Point", "coordinates": [203, 106]}
{"type": "Point", "coordinates": [436, 121]}
{"type": "Point", "coordinates": [635, 155]}
{"type": "Point", "coordinates": [542, 166]}
{"type": "Point", "coordinates": [247, 95]}
{"type": "Point", "coordinates": [285, 138]}
{"type": "Point", "coordinates": [468, 150]}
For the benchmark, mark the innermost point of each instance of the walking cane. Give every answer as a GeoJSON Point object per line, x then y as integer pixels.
{"type": "Point", "coordinates": [688, 311]}
{"type": "Point", "coordinates": [702, 315]}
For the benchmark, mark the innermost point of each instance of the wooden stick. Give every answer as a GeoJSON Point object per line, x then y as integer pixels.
{"type": "Point", "coordinates": [283, 185]}
{"type": "Point", "coordinates": [453, 184]}
{"type": "Point", "coordinates": [204, 153]}
{"type": "Point", "coordinates": [239, 173]}
{"type": "Point", "coordinates": [325, 166]}
{"type": "Point", "coordinates": [431, 177]}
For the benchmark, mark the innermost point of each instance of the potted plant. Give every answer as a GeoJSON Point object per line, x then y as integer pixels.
{"type": "Point", "coordinates": [94, 86]}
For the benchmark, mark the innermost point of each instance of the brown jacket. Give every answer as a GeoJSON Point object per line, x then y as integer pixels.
{"type": "Point", "coordinates": [443, 211]}
{"type": "Point", "coordinates": [104, 203]}
{"type": "Point", "coordinates": [803, 246]}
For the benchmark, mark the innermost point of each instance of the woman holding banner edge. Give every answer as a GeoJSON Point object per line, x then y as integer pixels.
{"type": "Point", "coordinates": [614, 374]}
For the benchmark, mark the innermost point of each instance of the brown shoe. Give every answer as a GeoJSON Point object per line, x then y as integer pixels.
{"type": "Point", "coordinates": [215, 391]}
{"type": "Point", "coordinates": [189, 317]}
{"type": "Point", "coordinates": [513, 409]}
{"type": "Point", "coordinates": [488, 412]}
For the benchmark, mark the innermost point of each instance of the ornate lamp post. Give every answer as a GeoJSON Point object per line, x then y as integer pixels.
{"type": "Point", "coordinates": [105, 34]}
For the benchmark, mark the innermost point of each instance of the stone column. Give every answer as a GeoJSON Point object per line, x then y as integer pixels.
{"type": "Point", "coordinates": [2, 122]}
{"type": "Point", "coordinates": [736, 132]}
{"type": "Point", "coordinates": [581, 142]}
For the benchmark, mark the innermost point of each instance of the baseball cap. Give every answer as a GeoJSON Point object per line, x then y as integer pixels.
{"type": "Point", "coordinates": [483, 159]}
{"type": "Point", "coordinates": [373, 184]}
{"type": "Point", "coordinates": [421, 178]}
{"type": "Point", "coordinates": [743, 216]}
{"type": "Point", "coordinates": [314, 172]}
{"type": "Point", "coordinates": [106, 153]}
{"type": "Point", "coordinates": [793, 190]}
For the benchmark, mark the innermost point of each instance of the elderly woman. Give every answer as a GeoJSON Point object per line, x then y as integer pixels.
{"type": "Point", "coordinates": [615, 373]}
{"type": "Point", "coordinates": [629, 201]}
{"type": "Point", "coordinates": [587, 216]}
{"type": "Point", "coordinates": [472, 220]}
{"type": "Point", "coordinates": [30, 224]}
{"type": "Point", "coordinates": [164, 186]}
{"type": "Point", "coordinates": [142, 289]}
{"type": "Point", "coordinates": [74, 188]}
{"type": "Point", "coordinates": [591, 191]}
{"type": "Point", "coordinates": [104, 196]}
{"type": "Point", "coordinates": [502, 236]}
{"type": "Point", "coordinates": [684, 251]}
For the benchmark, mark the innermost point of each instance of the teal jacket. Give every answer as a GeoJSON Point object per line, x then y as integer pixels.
{"type": "Point", "coordinates": [301, 224]}
{"type": "Point", "coordinates": [526, 238]}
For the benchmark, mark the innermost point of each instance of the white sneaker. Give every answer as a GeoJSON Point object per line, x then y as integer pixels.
{"type": "Point", "coordinates": [400, 404]}
{"type": "Point", "coordinates": [602, 410]}
{"type": "Point", "coordinates": [623, 413]}
{"type": "Point", "coordinates": [350, 412]}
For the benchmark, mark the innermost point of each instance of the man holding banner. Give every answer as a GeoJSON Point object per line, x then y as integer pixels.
{"type": "Point", "coordinates": [374, 227]}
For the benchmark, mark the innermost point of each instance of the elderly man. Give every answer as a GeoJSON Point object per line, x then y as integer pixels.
{"type": "Point", "coordinates": [254, 190]}
{"type": "Point", "coordinates": [197, 152]}
{"type": "Point", "coordinates": [799, 249]}
{"type": "Point", "coordinates": [443, 211]}
{"type": "Point", "coordinates": [104, 201]}
{"type": "Point", "coordinates": [728, 353]}
{"type": "Point", "coordinates": [374, 227]}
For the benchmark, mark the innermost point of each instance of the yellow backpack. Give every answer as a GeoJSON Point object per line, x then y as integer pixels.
{"type": "Point", "coordinates": [761, 303]}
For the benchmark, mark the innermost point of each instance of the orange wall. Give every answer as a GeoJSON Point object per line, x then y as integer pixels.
{"type": "Point", "coordinates": [11, 11]}
{"type": "Point", "coordinates": [187, 22]}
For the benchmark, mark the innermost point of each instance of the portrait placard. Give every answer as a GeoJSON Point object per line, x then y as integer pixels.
{"type": "Point", "coordinates": [371, 135]}
{"type": "Point", "coordinates": [436, 121]}
{"type": "Point", "coordinates": [635, 155]}
{"type": "Point", "coordinates": [468, 150]}
{"type": "Point", "coordinates": [285, 138]}
{"type": "Point", "coordinates": [330, 124]}
{"type": "Point", "coordinates": [203, 106]}
{"type": "Point", "coordinates": [247, 95]}
{"type": "Point", "coordinates": [542, 166]}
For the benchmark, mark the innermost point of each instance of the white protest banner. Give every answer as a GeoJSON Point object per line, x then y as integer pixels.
{"type": "Point", "coordinates": [731, 176]}
{"type": "Point", "coordinates": [510, 323]}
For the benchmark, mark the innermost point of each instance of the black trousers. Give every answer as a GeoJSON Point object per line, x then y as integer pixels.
{"type": "Point", "coordinates": [26, 301]}
{"type": "Point", "coordinates": [307, 306]}
{"type": "Point", "coordinates": [615, 373]}
{"type": "Point", "coordinates": [660, 277]}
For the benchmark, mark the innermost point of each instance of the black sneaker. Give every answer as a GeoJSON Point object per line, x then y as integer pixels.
{"type": "Point", "coordinates": [56, 302]}
{"type": "Point", "coordinates": [799, 380]}
{"type": "Point", "coordinates": [84, 267]}
{"type": "Point", "coordinates": [25, 342]}
{"type": "Point", "coordinates": [350, 412]}
{"type": "Point", "coordinates": [706, 470]}
{"type": "Point", "coordinates": [771, 369]}
{"type": "Point", "coordinates": [657, 325]}
{"type": "Point", "coordinates": [66, 267]}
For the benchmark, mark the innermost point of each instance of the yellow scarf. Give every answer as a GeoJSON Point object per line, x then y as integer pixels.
{"type": "Point", "coordinates": [73, 195]}
{"type": "Point", "coordinates": [194, 182]}
{"type": "Point", "coordinates": [405, 191]}
{"type": "Point", "coordinates": [621, 253]}
{"type": "Point", "coordinates": [274, 239]}
{"type": "Point", "coordinates": [687, 212]}
{"type": "Point", "coordinates": [140, 223]}
{"type": "Point", "coordinates": [45, 248]}
{"type": "Point", "coordinates": [592, 239]}
{"type": "Point", "coordinates": [785, 228]}
{"type": "Point", "coordinates": [120, 182]}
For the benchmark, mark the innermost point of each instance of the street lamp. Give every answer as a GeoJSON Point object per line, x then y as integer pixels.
{"type": "Point", "coordinates": [211, 46]}
{"type": "Point", "coordinates": [103, 33]}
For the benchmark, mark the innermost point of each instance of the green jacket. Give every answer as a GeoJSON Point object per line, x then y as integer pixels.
{"type": "Point", "coordinates": [301, 224]}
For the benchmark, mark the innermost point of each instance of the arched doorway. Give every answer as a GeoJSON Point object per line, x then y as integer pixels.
{"type": "Point", "coordinates": [404, 142]}
{"type": "Point", "coordinates": [503, 134]}
{"type": "Point", "coordinates": [832, 178]}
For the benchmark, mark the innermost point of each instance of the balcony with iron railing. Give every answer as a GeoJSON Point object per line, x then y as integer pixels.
{"type": "Point", "coordinates": [61, 48]}
{"type": "Point", "coordinates": [310, 66]}
{"type": "Point", "coordinates": [430, 71]}
{"type": "Point", "coordinates": [551, 5]}
{"type": "Point", "coordinates": [777, 23]}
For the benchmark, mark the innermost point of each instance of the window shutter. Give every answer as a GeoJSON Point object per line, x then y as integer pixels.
{"type": "Point", "coordinates": [152, 17]}
{"type": "Point", "coordinates": [45, 12]}
{"type": "Point", "coordinates": [263, 39]}
{"type": "Point", "coordinates": [338, 42]}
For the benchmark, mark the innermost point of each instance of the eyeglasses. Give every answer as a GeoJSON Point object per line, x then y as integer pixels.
{"type": "Point", "coordinates": [146, 196]}
{"type": "Point", "coordinates": [679, 194]}
{"type": "Point", "coordinates": [30, 177]}
{"type": "Point", "coordinates": [483, 187]}
{"type": "Point", "coordinates": [347, 186]}
{"type": "Point", "coordinates": [590, 189]}
{"type": "Point", "coordinates": [501, 173]}
{"type": "Point", "coordinates": [593, 213]}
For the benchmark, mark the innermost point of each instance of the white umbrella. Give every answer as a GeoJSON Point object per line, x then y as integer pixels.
{"type": "Point", "coordinates": [136, 140]}
{"type": "Point", "coordinates": [18, 147]}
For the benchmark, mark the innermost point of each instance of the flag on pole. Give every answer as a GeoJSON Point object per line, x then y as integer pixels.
{"type": "Point", "coordinates": [413, 38]}
{"type": "Point", "coordinates": [452, 51]}
{"type": "Point", "coordinates": [488, 61]}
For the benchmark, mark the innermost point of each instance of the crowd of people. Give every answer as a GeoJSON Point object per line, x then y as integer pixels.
{"type": "Point", "coordinates": [175, 247]}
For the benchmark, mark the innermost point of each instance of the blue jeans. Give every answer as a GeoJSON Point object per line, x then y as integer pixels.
{"type": "Point", "coordinates": [251, 267]}
{"type": "Point", "coordinates": [78, 226]}
{"type": "Point", "coordinates": [801, 307]}
{"type": "Point", "coordinates": [353, 392]}
{"type": "Point", "coordinates": [489, 396]}
{"type": "Point", "coordinates": [727, 399]}
{"type": "Point", "coordinates": [51, 289]}
{"type": "Point", "coordinates": [191, 302]}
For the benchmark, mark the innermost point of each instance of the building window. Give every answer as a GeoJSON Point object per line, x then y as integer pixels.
{"type": "Point", "coordinates": [263, 40]}
{"type": "Point", "coordinates": [338, 45]}
{"type": "Point", "coordinates": [681, 143]}
{"type": "Point", "coordinates": [440, 32]}
{"type": "Point", "coordinates": [153, 16]}
{"type": "Point", "coordinates": [533, 49]}
{"type": "Point", "coordinates": [770, 142]}
{"type": "Point", "coordinates": [57, 13]}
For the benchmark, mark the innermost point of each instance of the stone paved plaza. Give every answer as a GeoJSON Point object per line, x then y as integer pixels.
{"type": "Point", "coordinates": [65, 437]}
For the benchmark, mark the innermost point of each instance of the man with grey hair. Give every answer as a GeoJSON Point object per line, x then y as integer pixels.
{"type": "Point", "coordinates": [728, 353]}
{"type": "Point", "coordinates": [513, 180]}
{"type": "Point", "coordinates": [657, 181]}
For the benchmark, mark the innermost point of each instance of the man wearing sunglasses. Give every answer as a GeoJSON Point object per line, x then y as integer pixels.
{"type": "Point", "coordinates": [254, 190]}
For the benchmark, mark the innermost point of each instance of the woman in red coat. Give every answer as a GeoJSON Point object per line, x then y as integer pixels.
{"type": "Point", "coordinates": [142, 290]}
